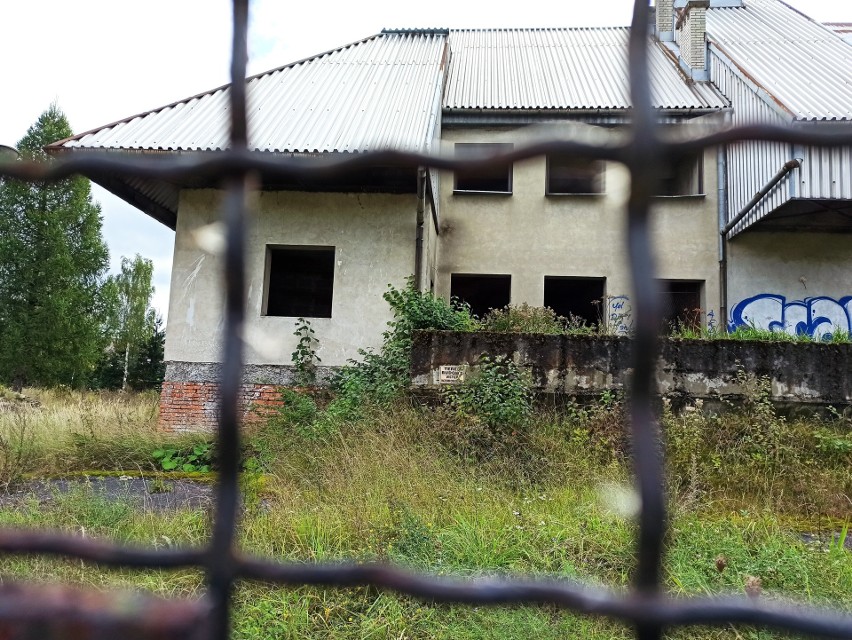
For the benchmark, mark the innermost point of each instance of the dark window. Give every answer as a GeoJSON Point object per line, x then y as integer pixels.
{"type": "Point", "coordinates": [570, 175]}
{"type": "Point", "coordinates": [481, 292]}
{"type": "Point", "coordinates": [681, 305]}
{"type": "Point", "coordinates": [496, 179]}
{"type": "Point", "coordinates": [682, 178]}
{"type": "Point", "coordinates": [300, 281]}
{"type": "Point", "coordinates": [575, 297]}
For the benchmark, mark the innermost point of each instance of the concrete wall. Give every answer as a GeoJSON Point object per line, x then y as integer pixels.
{"type": "Point", "coordinates": [374, 240]}
{"type": "Point", "coordinates": [809, 373]}
{"type": "Point", "coordinates": [795, 282]}
{"type": "Point", "coordinates": [529, 235]}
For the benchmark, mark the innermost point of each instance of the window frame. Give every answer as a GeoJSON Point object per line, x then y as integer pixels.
{"type": "Point", "coordinates": [507, 277]}
{"type": "Point", "coordinates": [475, 148]}
{"type": "Point", "coordinates": [692, 319]}
{"type": "Point", "coordinates": [697, 161]}
{"type": "Point", "coordinates": [600, 176]}
{"type": "Point", "coordinates": [268, 273]}
{"type": "Point", "coordinates": [600, 313]}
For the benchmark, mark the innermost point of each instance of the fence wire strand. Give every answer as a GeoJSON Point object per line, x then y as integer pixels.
{"type": "Point", "coordinates": [645, 606]}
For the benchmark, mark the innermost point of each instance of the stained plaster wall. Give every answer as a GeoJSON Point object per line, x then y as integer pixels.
{"type": "Point", "coordinates": [799, 373]}
{"type": "Point", "coordinates": [795, 281]}
{"type": "Point", "coordinates": [374, 240]}
{"type": "Point", "coordinates": [529, 235]}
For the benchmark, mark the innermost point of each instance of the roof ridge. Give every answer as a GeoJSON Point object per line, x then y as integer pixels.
{"type": "Point", "coordinates": [604, 28]}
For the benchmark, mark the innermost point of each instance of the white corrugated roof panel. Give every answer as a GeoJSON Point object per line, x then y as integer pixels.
{"type": "Point", "coordinates": [560, 69]}
{"type": "Point", "coordinates": [377, 93]}
{"type": "Point", "coordinates": [803, 65]}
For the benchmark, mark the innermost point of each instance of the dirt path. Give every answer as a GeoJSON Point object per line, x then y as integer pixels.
{"type": "Point", "coordinates": [146, 493]}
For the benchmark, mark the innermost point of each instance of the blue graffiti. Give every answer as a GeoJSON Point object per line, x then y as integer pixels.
{"type": "Point", "coordinates": [818, 317]}
{"type": "Point", "coordinates": [619, 315]}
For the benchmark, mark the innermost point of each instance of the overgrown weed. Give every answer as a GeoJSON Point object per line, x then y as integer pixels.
{"type": "Point", "coordinates": [62, 430]}
{"type": "Point", "coordinates": [750, 455]}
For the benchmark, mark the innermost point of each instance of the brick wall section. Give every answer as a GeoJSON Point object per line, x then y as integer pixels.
{"type": "Point", "coordinates": [194, 406]}
{"type": "Point", "coordinates": [691, 34]}
{"type": "Point", "coordinates": [665, 16]}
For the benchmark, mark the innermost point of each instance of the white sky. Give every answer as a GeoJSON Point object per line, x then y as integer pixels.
{"type": "Point", "coordinates": [103, 60]}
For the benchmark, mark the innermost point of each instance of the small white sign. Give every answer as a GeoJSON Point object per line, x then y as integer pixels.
{"type": "Point", "coordinates": [451, 373]}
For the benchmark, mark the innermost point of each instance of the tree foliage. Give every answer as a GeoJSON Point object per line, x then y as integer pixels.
{"type": "Point", "coordinates": [131, 320]}
{"type": "Point", "coordinates": [52, 264]}
{"type": "Point", "coordinates": [145, 369]}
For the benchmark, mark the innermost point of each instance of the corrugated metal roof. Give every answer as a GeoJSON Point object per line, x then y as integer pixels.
{"type": "Point", "coordinates": [804, 65]}
{"type": "Point", "coordinates": [381, 92]}
{"type": "Point", "coordinates": [559, 69]}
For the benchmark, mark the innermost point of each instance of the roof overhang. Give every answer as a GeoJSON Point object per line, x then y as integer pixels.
{"type": "Point", "coordinates": [160, 197]}
{"type": "Point", "coordinates": [813, 215]}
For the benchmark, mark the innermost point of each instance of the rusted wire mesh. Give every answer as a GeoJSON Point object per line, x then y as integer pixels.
{"type": "Point", "coordinates": [28, 611]}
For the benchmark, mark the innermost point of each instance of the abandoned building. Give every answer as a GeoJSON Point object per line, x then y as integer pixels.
{"type": "Point", "coordinates": [751, 233]}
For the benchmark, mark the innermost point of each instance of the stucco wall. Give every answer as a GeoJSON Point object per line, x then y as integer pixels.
{"type": "Point", "coordinates": [374, 240]}
{"type": "Point", "coordinates": [799, 373]}
{"type": "Point", "coordinates": [529, 234]}
{"type": "Point", "coordinates": [795, 281]}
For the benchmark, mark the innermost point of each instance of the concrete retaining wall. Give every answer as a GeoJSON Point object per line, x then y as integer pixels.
{"type": "Point", "coordinates": [809, 373]}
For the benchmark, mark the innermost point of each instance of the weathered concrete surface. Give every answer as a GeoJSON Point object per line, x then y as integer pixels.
{"type": "Point", "coordinates": [578, 365]}
{"type": "Point", "coordinates": [529, 234]}
{"type": "Point", "coordinates": [373, 236]}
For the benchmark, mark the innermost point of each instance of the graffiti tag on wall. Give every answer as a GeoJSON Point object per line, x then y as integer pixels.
{"type": "Point", "coordinates": [818, 317]}
{"type": "Point", "coordinates": [619, 315]}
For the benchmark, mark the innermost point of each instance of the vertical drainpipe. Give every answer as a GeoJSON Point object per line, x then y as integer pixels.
{"type": "Point", "coordinates": [722, 180]}
{"type": "Point", "coordinates": [418, 246]}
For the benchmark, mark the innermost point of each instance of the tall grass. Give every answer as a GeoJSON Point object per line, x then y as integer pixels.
{"type": "Point", "coordinates": [421, 487]}
{"type": "Point", "coordinates": [58, 431]}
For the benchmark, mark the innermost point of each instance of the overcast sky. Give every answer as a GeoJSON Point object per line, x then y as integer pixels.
{"type": "Point", "coordinates": [103, 60]}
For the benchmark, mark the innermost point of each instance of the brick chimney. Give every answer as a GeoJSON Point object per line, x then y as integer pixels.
{"type": "Point", "coordinates": [691, 36]}
{"type": "Point", "coordinates": [665, 20]}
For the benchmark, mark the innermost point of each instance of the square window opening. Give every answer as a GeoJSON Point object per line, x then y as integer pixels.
{"type": "Point", "coordinates": [569, 175]}
{"type": "Point", "coordinates": [299, 281]}
{"type": "Point", "coordinates": [495, 179]}
{"type": "Point", "coordinates": [482, 292]}
{"type": "Point", "coordinates": [681, 305]}
{"type": "Point", "coordinates": [575, 298]}
{"type": "Point", "coordinates": [682, 178]}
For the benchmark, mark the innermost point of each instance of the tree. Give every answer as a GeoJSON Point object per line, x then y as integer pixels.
{"type": "Point", "coordinates": [132, 321]}
{"type": "Point", "coordinates": [150, 368]}
{"type": "Point", "coordinates": [52, 264]}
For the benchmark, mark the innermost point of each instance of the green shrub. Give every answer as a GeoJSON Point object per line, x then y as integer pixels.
{"type": "Point", "coordinates": [379, 378]}
{"type": "Point", "coordinates": [198, 458]}
{"type": "Point", "coordinates": [305, 356]}
{"type": "Point", "coordinates": [298, 415]}
{"type": "Point", "coordinates": [499, 394]}
{"type": "Point", "coordinates": [523, 318]}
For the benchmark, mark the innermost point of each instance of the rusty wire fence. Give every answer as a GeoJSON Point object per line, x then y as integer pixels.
{"type": "Point", "coordinates": [28, 611]}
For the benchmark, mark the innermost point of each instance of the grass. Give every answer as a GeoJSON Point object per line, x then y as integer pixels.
{"type": "Point", "coordinates": [54, 432]}
{"type": "Point", "coordinates": [418, 487]}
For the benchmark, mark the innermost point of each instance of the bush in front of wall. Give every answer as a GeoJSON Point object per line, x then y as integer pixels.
{"type": "Point", "coordinates": [381, 377]}
{"type": "Point", "coordinates": [498, 393]}
{"type": "Point", "coordinates": [523, 318]}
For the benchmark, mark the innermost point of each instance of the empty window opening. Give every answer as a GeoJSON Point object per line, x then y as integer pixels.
{"type": "Point", "coordinates": [681, 305]}
{"type": "Point", "coordinates": [682, 178]}
{"type": "Point", "coordinates": [482, 292]}
{"type": "Point", "coordinates": [300, 281]}
{"type": "Point", "coordinates": [575, 298]}
{"type": "Point", "coordinates": [494, 179]}
{"type": "Point", "coordinates": [571, 175]}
